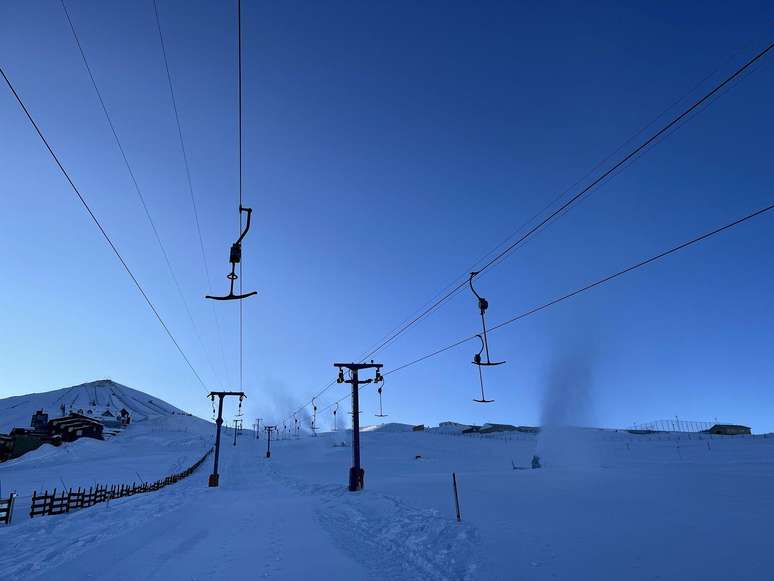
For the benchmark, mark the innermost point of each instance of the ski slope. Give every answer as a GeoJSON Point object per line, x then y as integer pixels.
{"type": "Point", "coordinates": [606, 505]}
{"type": "Point", "coordinates": [161, 440]}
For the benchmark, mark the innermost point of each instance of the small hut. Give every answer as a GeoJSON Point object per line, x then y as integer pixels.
{"type": "Point", "coordinates": [76, 426]}
{"type": "Point", "coordinates": [729, 430]}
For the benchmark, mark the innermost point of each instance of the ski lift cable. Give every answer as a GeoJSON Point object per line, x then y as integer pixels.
{"type": "Point", "coordinates": [579, 291]}
{"type": "Point", "coordinates": [189, 181]}
{"type": "Point", "coordinates": [140, 196]}
{"type": "Point", "coordinates": [695, 107]}
{"type": "Point", "coordinates": [235, 257]}
{"type": "Point", "coordinates": [595, 284]}
{"type": "Point", "coordinates": [101, 228]}
{"type": "Point", "coordinates": [546, 208]}
{"type": "Point", "coordinates": [241, 182]}
{"type": "Point", "coordinates": [623, 161]}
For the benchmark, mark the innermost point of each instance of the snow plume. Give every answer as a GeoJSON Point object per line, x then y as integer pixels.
{"type": "Point", "coordinates": [305, 420]}
{"type": "Point", "coordinates": [273, 403]}
{"type": "Point", "coordinates": [343, 417]}
{"type": "Point", "coordinates": [343, 433]}
{"type": "Point", "coordinates": [567, 408]}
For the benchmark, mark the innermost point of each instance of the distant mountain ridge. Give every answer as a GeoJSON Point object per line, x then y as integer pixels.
{"type": "Point", "coordinates": [95, 396]}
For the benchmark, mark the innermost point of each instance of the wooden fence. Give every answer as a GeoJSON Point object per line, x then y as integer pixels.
{"type": "Point", "coordinates": [70, 500]}
{"type": "Point", "coordinates": [6, 508]}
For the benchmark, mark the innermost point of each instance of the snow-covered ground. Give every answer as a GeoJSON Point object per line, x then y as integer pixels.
{"type": "Point", "coordinates": [161, 440]}
{"type": "Point", "coordinates": [606, 505]}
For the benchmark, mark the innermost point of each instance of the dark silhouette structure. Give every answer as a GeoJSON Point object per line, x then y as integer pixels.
{"type": "Point", "coordinates": [729, 430]}
{"type": "Point", "coordinates": [381, 413]}
{"type": "Point", "coordinates": [483, 305]}
{"type": "Point", "coordinates": [235, 258]}
{"type": "Point", "coordinates": [269, 430]}
{"type": "Point", "coordinates": [42, 430]}
{"type": "Point", "coordinates": [356, 472]}
{"type": "Point", "coordinates": [214, 479]}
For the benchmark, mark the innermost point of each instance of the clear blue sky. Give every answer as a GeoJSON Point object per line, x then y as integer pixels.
{"type": "Point", "coordinates": [388, 146]}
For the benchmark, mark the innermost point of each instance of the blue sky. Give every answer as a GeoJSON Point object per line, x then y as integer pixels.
{"type": "Point", "coordinates": [387, 147]}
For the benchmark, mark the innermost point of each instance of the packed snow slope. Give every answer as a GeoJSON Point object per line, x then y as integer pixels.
{"type": "Point", "coordinates": [97, 395]}
{"type": "Point", "coordinates": [161, 440]}
{"type": "Point", "coordinates": [606, 505]}
{"type": "Point", "coordinates": [144, 452]}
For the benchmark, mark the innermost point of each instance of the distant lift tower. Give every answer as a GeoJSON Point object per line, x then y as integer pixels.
{"type": "Point", "coordinates": [356, 473]}
{"type": "Point", "coordinates": [269, 430]}
{"type": "Point", "coordinates": [215, 477]}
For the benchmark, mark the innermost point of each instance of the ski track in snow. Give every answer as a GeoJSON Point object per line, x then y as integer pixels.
{"type": "Point", "coordinates": [391, 538]}
{"type": "Point", "coordinates": [399, 541]}
{"type": "Point", "coordinates": [619, 506]}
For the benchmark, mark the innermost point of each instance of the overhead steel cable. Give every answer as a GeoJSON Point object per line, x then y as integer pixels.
{"type": "Point", "coordinates": [464, 276]}
{"type": "Point", "coordinates": [629, 156]}
{"type": "Point", "coordinates": [457, 287]}
{"type": "Point", "coordinates": [188, 179]}
{"type": "Point", "coordinates": [596, 283]}
{"type": "Point", "coordinates": [318, 394]}
{"type": "Point", "coordinates": [583, 289]}
{"type": "Point", "coordinates": [145, 208]}
{"type": "Point", "coordinates": [241, 180]}
{"type": "Point", "coordinates": [100, 227]}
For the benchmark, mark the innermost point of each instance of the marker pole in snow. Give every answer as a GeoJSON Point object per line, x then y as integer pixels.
{"type": "Point", "coordinates": [356, 473]}
{"type": "Point", "coordinates": [215, 477]}
{"type": "Point", "coordinates": [456, 496]}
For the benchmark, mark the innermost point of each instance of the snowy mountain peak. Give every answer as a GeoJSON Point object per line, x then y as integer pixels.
{"type": "Point", "coordinates": [92, 398]}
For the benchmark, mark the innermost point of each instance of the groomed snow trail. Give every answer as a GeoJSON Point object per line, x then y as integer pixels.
{"type": "Point", "coordinates": [261, 522]}
{"type": "Point", "coordinates": [389, 536]}
{"type": "Point", "coordinates": [250, 526]}
{"type": "Point", "coordinates": [666, 506]}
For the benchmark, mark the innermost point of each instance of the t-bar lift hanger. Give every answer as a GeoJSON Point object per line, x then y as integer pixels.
{"type": "Point", "coordinates": [380, 377]}
{"type": "Point", "coordinates": [483, 305]}
{"type": "Point", "coordinates": [236, 258]}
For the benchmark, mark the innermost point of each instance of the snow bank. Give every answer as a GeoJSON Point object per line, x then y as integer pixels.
{"type": "Point", "coordinates": [635, 507]}
{"type": "Point", "coordinates": [389, 427]}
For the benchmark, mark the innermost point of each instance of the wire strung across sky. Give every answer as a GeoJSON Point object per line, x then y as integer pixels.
{"type": "Point", "coordinates": [633, 153]}
{"type": "Point", "coordinates": [99, 226]}
{"type": "Point", "coordinates": [581, 290]}
{"type": "Point", "coordinates": [241, 182]}
{"type": "Point", "coordinates": [503, 254]}
{"type": "Point", "coordinates": [190, 183]}
{"type": "Point", "coordinates": [145, 208]}
{"type": "Point", "coordinates": [526, 224]}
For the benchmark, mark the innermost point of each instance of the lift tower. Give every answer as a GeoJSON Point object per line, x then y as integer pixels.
{"type": "Point", "coordinates": [215, 477]}
{"type": "Point", "coordinates": [269, 430]}
{"type": "Point", "coordinates": [356, 473]}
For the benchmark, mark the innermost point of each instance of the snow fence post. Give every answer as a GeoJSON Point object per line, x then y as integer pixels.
{"type": "Point", "coordinates": [456, 497]}
{"type": "Point", "coordinates": [9, 516]}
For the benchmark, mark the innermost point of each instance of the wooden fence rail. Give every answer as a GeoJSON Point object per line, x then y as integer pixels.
{"type": "Point", "coordinates": [70, 500]}
{"type": "Point", "coordinates": [6, 508]}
